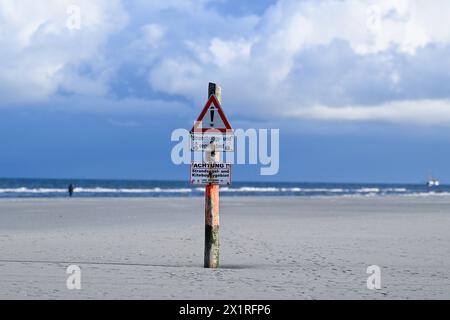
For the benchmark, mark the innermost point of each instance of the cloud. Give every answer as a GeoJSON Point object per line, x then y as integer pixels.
{"type": "Point", "coordinates": [40, 54]}
{"type": "Point", "coordinates": [153, 33]}
{"type": "Point", "coordinates": [301, 54]}
{"type": "Point", "coordinates": [368, 26]}
{"type": "Point", "coordinates": [327, 60]}
{"type": "Point", "coordinates": [420, 112]}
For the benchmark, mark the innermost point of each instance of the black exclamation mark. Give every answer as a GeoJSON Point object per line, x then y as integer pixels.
{"type": "Point", "coordinates": [211, 113]}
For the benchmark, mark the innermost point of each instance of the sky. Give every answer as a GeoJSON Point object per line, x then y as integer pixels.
{"type": "Point", "coordinates": [360, 90]}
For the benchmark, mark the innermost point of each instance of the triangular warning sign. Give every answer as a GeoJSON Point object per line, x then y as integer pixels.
{"type": "Point", "coordinates": [211, 117]}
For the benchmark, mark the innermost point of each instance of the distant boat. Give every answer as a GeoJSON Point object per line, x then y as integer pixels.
{"type": "Point", "coordinates": [432, 182]}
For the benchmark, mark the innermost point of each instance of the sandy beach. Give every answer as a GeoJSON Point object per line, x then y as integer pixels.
{"type": "Point", "coordinates": [271, 248]}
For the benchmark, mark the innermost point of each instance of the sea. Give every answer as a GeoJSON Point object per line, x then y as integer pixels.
{"type": "Point", "coordinates": [89, 188]}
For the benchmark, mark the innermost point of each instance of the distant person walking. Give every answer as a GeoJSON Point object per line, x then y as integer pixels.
{"type": "Point", "coordinates": [70, 189]}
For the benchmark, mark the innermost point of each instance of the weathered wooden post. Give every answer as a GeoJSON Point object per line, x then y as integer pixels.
{"type": "Point", "coordinates": [212, 134]}
{"type": "Point", "coordinates": [212, 203]}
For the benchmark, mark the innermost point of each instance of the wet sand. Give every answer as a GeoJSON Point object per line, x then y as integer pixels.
{"type": "Point", "coordinates": [271, 248]}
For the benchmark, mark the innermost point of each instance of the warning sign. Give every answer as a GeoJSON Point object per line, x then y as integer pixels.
{"type": "Point", "coordinates": [212, 141]}
{"type": "Point", "coordinates": [203, 173]}
{"type": "Point", "coordinates": [212, 117]}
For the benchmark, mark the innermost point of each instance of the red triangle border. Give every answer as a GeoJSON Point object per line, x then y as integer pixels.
{"type": "Point", "coordinates": [212, 99]}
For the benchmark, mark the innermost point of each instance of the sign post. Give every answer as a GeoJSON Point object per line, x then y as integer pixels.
{"type": "Point", "coordinates": [212, 173]}
{"type": "Point", "coordinates": [212, 203]}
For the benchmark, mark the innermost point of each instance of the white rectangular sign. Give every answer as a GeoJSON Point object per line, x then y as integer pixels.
{"type": "Point", "coordinates": [220, 142]}
{"type": "Point", "coordinates": [203, 173]}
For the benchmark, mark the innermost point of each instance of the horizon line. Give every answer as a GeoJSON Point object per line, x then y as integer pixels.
{"type": "Point", "coordinates": [238, 181]}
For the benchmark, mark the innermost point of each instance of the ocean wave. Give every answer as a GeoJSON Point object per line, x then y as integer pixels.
{"type": "Point", "coordinates": [243, 190]}
{"type": "Point", "coordinates": [134, 190]}
{"type": "Point", "coordinates": [368, 190]}
{"type": "Point", "coordinates": [250, 189]}
{"type": "Point", "coordinates": [329, 190]}
{"type": "Point", "coordinates": [94, 190]}
{"type": "Point", "coordinates": [291, 189]}
{"type": "Point", "coordinates": [428, 194]}
{"type": "Point", "coordinates": [395, 190]}
{"type": "Point", "coordinates": [188, 190]}
{"type": "Point", "coordinates": [275, 190]}
{"type": "Point", "coordinates": [32, 190]}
